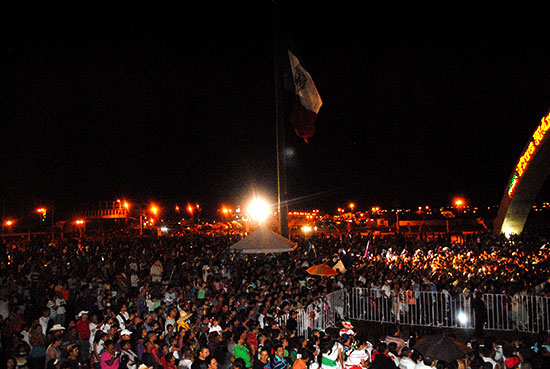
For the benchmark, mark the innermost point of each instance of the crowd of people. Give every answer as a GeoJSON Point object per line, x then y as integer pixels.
{"type": "Point", "coordinates": [187, 302]}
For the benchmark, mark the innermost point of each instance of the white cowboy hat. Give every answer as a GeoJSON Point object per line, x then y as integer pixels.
{"type": "Point", "coordinates": [57, 327]}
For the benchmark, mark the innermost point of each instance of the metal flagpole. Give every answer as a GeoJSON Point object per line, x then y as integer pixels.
{"type": "Point", "coordinates": [282, 205]}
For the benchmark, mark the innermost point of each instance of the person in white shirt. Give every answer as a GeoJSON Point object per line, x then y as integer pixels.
{"type": "Point", "coordinates": [4, 307]}
{"type": "Point", "coordinates": [488, 354]}
{"type": "Point", "coordinates": [215, 326]}
{"type": "Point", "coordinates": [133, 359]}
{"type": "Point", "coordinates": [123, 317]}
{"type": "Point", "coordinates": [170, 296]}
{"type": "Point", "coordinates": [52, 306]}
{"type": "Point", "coordinates": [406, 361]}
{"type": "Point", "coordinates": [426, 363]}
{"type": "Point", "coordinates": [60, 311]}
{"type": "Point", "coordinates": [44, 320]}
{"type": "Point", "coordinates": [156, 271]}
{"type": "Point", "coordinates": [357, 357]}
{"type": "Point", "coordinates": [171, 318]}
{"type": "Point", "coordinates": [134, 281]}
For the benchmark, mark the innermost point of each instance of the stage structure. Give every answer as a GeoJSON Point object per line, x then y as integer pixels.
{"type": "Point", "coordinates": [107, 210]}
{"type": "Point", "coordinates": [527, 178]}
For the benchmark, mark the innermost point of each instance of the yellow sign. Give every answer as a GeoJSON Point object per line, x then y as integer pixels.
{"type": "Point", "coordinates": [529, 152]}
{"type": "Point", "coordinates": [538, 136]}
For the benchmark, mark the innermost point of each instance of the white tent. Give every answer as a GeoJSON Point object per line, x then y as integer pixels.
{"type": "Point", "coordinates": [263, 241]}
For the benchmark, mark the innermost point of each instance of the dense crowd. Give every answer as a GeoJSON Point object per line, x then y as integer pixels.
{"type": "Point", "coordinates": [187, 302]}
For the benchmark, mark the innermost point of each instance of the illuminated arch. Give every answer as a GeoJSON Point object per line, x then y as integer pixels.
{"type": "Point", "coordinates": [528, 177]}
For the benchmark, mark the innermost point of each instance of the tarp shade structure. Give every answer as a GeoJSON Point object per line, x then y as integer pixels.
{"type": "Point", "coordinates": [322, 270]}
{"type": "Point", "coordinates": [263, 241]}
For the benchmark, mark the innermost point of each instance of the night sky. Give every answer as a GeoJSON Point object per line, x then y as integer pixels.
{"type": "Point", "coordinates": [421, 103]}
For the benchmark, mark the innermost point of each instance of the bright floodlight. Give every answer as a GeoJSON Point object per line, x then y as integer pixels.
{"type": "Point", "coordinates": [258, 209]}
{"type": "Point", "coordinates": [462, 318]}
{"type": "Point", "coordinates": [306, 229]}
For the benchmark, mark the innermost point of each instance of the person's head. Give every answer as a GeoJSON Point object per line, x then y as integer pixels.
{"type": "Point", "coordinates": [392, 347]}
{"type": "Point", "coordinates": [360, 341]}
{"type": "Point", "coordinates": [405, 352]}
{"type": "Point", "coordinates": [239, 364]}
{"type": "Point", "coordinates": [428, 361]}
{"type": "Point", "coordinates": [415, 355]}
{"type": "Point", "coordinates": [73, 351]}
{"type": "Point", "coordinates": [264, 355]}
{"type": "Point", "coordinates": [204, 352]}
{"type": "Point", "coordinates": [10, 363]}
{"type": "Point", "coordinates": [169, 357]}
{"type": "Point", "coordinates": [382, 348]}
{"type": "Point", "coordinates": [57, 341]}
{"type": "Point", "coordinates": [305, 354]}
{"type": "Point", "coordinates": [109, 345]}
{"type": "Point", "coordinates": [212, 363]}
{"type": "Point", "coordinates": [279, 350]}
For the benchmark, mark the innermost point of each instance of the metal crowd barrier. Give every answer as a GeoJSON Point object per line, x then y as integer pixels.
{"type": "Point", "coordinates": [524, 313]}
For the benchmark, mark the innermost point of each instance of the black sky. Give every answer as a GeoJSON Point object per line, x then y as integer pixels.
{"type": "Point", "coordinates": [421, 103]}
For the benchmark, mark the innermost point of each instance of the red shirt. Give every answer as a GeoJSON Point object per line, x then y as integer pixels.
{"type": "Point", "coordinates": [251, 339]}
{"type": "Point", "coordinates": [83, 328]}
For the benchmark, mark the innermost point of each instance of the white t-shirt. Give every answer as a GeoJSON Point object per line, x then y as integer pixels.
{"type": "Point", "coordinates": [122, 318]}
{"type": "Point", "coordinates": [355, 357]}
{"type": "Point", "coordinates": [215, 328]}
{"type": "Point", "coordinates": [43, 320]}
{"type": "Point", "coordinates": [333, 355]}
{"type": "Point", "coordinates": [93, 330]}
{"type": "Point", "coordinates": [60, 302]}
{"type": "Point", "coordinates": [4, 309]}
{"type": "Point", "coordinates": [407, 363]}
{"type": "Point", "coordinates": [53, 308]}
{"type": "Point", "coordinates": [185, 364]}
{"type": "Point", "coordinates": [489, 360]}
{"type": "Point", "coordinates": [156, 273]}
{"type": "Point", "coordinates": [134, 280]}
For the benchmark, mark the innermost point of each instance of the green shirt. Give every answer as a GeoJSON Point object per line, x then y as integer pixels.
{"type": "Point", "coordinates": [201, 294]}
{"type": "Point", "coordinates": [243, 353]}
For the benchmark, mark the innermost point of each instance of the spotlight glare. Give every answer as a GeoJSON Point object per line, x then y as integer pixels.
{"type": "Point", "coordinates": [462, 318]}
{"type": "Point", "coordinates": [258, 209]}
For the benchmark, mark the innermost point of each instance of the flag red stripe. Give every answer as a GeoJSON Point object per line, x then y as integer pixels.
{"type": "Point", "coordinates": [303, 120]}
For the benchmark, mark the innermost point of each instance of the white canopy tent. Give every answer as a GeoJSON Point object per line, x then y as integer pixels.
{"type": "Point", "coordinates": [263, 241]}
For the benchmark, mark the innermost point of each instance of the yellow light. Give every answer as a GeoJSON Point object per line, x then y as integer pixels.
{"type": "Point", "coordinates": [351, 205]}
{"type": "Point", "coordinates": [41, 210]}
{"type": "Point", "coordinates": [258, 209]}
{"type": "Point", "coordinates": [126, 205]}
{"type": "Point", "coordinates": [79, 222]}
{"type": "Point", "coordinates": [9, 223]}
{"type": "Point", "coordinates": [225, 210]}
{"type": "Point", "coordinates": [154, 209]}
{"type": "Point", "coordinates": [306, 229]}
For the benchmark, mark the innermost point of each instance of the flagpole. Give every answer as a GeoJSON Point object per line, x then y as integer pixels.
{"type": "Point", "coordinates": [282, 205]}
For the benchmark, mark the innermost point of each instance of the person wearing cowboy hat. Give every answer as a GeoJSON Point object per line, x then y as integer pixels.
{"type": "Point", "coordinates": [84, 333]}
{"type": "Point", "coordinates": [347, 328]}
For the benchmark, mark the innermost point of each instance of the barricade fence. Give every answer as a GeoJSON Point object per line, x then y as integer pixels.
{"type": "Point", "coordinates": [524, 313]}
